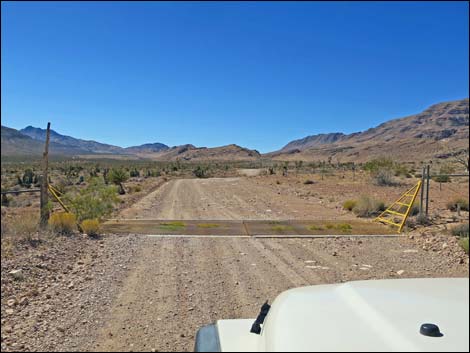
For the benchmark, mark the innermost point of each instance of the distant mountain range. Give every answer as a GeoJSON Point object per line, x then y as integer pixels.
{"type": "Point", "coordinates": [439, 130]}
{"type": "Point", "coordinates": [30, 142]}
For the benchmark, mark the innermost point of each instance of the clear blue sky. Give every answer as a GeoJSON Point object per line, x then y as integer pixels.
{"type": "Point", "coordinates": [207, 73]}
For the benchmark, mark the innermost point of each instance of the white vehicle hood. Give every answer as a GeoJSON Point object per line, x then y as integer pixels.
{"type": "Point", "coordinates": [376, 315]}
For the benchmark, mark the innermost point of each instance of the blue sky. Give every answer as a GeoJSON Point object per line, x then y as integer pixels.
{"type": "Point", "coordinates": [213, 73]}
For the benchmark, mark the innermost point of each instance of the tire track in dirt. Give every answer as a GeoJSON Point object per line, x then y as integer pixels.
{"type": "Point", "coordinates": [296, 262]}
{"type": "Point", "coordinates": [142, 297]}
{"type": "Point", "coordinates": [222, 199]}
{"type": "Point", "coordinates": [296, 279]}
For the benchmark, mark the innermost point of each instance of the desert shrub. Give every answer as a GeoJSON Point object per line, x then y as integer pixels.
{"type": "Point", "coordinates": [91, 227]}
{"type": "Point", "coordinates": [63, 222]}
{"type": "Point", "coordinates": [460, 230]}
{"type": "Point", "coordinates": [382, 170]}
{"type": "Point", "coordinates": [422, 220]}
{"type": "Point", "coordinates": [137, 188]}
{"type": "Point", "coordinates": [383, 177]}
{"type": "Point", "coordinates": [153, 173]}
{"type": "Point", "coordinates": [6, 200]}
{"type": "Point", "coordinates": [95, 201]}
{"type": "Point", "coordinates": [200, 172]}
{"type": "Point", "coordinates": [309, 182]}
{"type": "Point", "coordinates": [400, 169]}
{"type": "Point", "coordinates": [368, 207]}
{"type": "Point", "coordinates": [464, 244]}
{"type": "Point", "coordinates": [375, 165]}
{"type": "Point", "coordinates": [414, 209]}
{"type": "Point", "coordinates": [28, 178]}
{"type": "Point", "coordinates": [454, 205]}
{"type": "Point", "coordinates": [134, 173]}
{"type": "Point", "coordinates": [349, 204]}
{"type": "Point", "coordinates": [442, 178]}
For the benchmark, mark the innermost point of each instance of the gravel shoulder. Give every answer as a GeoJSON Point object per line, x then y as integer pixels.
{"type": "Point", "coordinates": [68, 286]}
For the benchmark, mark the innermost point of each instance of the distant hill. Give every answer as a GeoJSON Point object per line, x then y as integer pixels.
{"type": "Point", "coordinates": [85, 146]}
{"type": "Point", "coordinates": [14, 143]}
{"type": "Point", "coordinates": [432, 133]}
{"type": "Point", "coordinates": [192, 153]}
{"type": "Point", "coordinates": [313, 141]}
{"type": "Point", "coordinates": [147, 148]}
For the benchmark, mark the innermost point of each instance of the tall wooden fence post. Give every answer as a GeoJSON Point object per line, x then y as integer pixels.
{"type": "Point", "coordinates": [45, 181]}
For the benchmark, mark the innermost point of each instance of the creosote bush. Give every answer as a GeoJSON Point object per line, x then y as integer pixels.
{"type": "Point", "coordinates": [91, 227]}
{"type": "Point", "coordinates": [95, 201]}
{"type": "Point", "coordinates": [63, 222]}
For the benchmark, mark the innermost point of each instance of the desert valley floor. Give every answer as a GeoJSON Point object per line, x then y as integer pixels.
{"type": "Point", "coordinates": [139, 293]}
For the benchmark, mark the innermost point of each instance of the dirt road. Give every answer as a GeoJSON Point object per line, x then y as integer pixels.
{"type": "Point", "coordinates": [137, 293]}
{"type": "Point", "coordinates": [180, 284]}
{"type": "Point", "coordinates": [227, 199]}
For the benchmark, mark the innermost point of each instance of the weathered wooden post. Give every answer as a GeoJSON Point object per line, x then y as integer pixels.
{"type": "Point", "coordinates": [44, 182]}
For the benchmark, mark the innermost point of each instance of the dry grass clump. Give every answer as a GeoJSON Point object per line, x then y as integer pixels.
{"type": "Point", "coordinates": [91, 227]}
{"type": "Point", "coordinates": [368, 207]}
{"type": "Point", "coordinates": [464, 244]}
{"type": "Point", "coordinates": [63, 222]}
{"type": "Point", "coordinates": [349, 204]}
{"type": "Point", "coordinates": [455, 204]}
{"type": "Point", "coordinates": [18, 229]}
{"type": "Point", "coordinates": [460, 230]}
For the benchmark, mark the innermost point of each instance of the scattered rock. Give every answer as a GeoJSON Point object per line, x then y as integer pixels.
{"type": "Point", "coordinates": [11, 302]}
{"type": "Point", "coordinates": [17, 275]}
{"type": "Point", "coordinates": [400, 272]}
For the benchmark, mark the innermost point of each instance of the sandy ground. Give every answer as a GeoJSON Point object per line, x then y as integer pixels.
{"type": "Point", "coordinates": [227, 199]}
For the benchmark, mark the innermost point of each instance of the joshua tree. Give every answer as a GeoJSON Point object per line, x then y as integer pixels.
{"type": "Point", "coordinates": [118, 176]}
